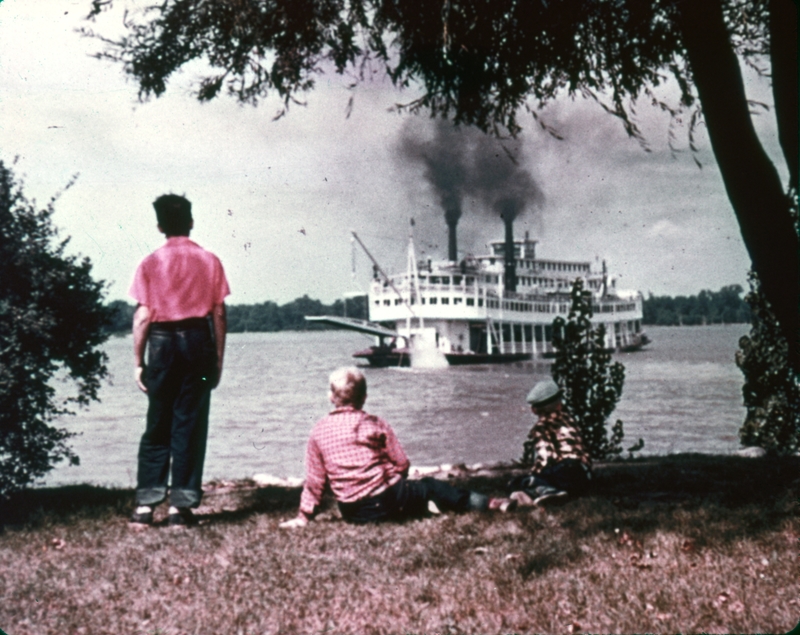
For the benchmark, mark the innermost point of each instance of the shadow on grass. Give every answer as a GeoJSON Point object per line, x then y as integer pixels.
{"type": "Point", "coordinates": [735, 496]}
{"type": "Point", "coordinates": [69, 503]}
{"type": "Point", "coordinates": [708, 499]}
{"type": "Point", "coordinates": [64, 503]}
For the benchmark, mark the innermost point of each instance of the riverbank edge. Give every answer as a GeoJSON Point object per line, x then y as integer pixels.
{"type": "Point", "coordinates": [650, 479]}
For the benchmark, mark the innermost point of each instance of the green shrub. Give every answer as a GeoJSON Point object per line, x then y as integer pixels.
{"type": "Point", "coordinates": [51, 324]}
{"type": "Point", "coordinates": [771, 391]}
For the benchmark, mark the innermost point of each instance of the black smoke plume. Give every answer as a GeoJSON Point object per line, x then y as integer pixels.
{"type": "Point", "coordinates": [463, 161]}
{"type": "Point", "coordinates": [505, 188]}
{"type": "Point", "coordinates": [446, 169]}
{"type": "Point", "coordinates": [499, 180]}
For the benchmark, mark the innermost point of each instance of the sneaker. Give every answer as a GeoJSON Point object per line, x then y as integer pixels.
{"type": "Point", "coordinates": [502, 504]}
{"type": "Point", "coordinates": [523, 500]}
{"type": "Point", "coordinates": [142, 516]}
{"type": "Point", "coordinates": [181, 517]}
{"type": "Point", "coordinates": [545, 493]}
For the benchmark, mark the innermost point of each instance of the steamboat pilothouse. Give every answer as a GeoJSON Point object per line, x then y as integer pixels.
{"type": "Point", "coordinates": [493, 308]}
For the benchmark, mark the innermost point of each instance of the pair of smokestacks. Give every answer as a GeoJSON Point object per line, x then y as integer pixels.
{"type": "Point", "coordinates": [509, 260]}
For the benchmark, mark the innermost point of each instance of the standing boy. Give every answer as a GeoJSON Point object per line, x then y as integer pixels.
{"type": "Point", "coordinates": [180, 318]}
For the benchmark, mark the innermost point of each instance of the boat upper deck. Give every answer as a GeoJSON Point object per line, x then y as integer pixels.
{"type": "Point", "coordinates": [442, 294]}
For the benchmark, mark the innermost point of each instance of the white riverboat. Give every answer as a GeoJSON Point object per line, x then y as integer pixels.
{"type": "Point", "coordinates": [493, 308]}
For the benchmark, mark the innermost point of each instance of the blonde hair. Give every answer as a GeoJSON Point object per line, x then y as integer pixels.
{"type": "Point", "coordinates": [348, 387]}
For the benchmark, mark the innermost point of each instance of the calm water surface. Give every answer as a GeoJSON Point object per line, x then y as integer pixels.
{"type": "Point", "coordinates": [682, 394]}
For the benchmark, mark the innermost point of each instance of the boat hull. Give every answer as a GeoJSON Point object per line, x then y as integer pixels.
{"type": "Point", "coordinates": [463, 359]}
{"type": "Point", "coordinates": [384, 358]}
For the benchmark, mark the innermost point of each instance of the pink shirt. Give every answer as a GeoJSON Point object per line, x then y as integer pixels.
{"type": "Point", "coordinates": [357, 453]}
{"type": "Point", "coordinates": [179, 280]}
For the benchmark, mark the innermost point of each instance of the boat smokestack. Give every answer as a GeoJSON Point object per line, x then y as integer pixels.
{"type": "Point", "coordinates": [510, 271]}
{"type": "Point", "coordinates": [451, 218]}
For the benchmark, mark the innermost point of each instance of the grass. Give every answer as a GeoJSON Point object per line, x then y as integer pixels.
{"type": "Point", "coordinates": [684, 543]}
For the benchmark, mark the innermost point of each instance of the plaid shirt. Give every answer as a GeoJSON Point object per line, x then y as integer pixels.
{"type": "Point", "coordinates": [356, 453]}
{"type": "Point", "coordinates": [556, 439]}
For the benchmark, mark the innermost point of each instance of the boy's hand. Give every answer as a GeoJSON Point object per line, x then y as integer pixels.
{"type": "Point", "coordinates": [138, 376]}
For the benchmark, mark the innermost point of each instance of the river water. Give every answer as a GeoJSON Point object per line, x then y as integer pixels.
{"type": "Point", "coordinates": [682, 394]}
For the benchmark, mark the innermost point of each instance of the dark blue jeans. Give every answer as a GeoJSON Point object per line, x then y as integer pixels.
{"type": "Point", "coordinates": [569, 475]}
{"type": "Point", "coordinates": [409, 499]}
{"type": "Point", "coordinates": [181, 364]}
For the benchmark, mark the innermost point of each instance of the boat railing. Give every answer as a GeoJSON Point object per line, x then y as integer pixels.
{"type": "Point", "coordinates": [558, 302]}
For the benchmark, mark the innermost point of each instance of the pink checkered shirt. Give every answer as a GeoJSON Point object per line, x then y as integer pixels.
{"type": "Point", "coordinates": [357, 453]}
{"type": "Point", "coordinates": [179, 280]}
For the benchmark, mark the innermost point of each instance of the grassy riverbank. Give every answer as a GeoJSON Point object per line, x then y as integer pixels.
{"type": "Point", "coordinates": [685, 543]}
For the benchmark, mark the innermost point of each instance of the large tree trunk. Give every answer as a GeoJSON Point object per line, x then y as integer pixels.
{"type": "Point", "coordinates": [751, 180]}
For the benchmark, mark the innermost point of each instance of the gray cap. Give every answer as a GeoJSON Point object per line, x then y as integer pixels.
{"type": "Point", "coordinates": [543, 393]}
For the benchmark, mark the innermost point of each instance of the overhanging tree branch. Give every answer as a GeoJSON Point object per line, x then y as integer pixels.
{"type": "Point", "coordinates": [753, 185]}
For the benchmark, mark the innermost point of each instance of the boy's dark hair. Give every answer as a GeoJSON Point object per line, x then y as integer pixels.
{"type": "Point", "coordinates": [174, 214]}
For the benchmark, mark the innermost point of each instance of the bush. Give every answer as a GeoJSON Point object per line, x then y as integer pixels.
{"type": "Point", "coordinates": [51, 324]}
{"type": "Point", "coordinates": [771, 391]}
{"type": "Point", "coordinates": [591, 385]}
{"type": "Point", "coordinates": [120, 317]}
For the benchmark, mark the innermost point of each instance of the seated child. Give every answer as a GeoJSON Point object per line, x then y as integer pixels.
{"type": "Point", "coordinates": [359, 457]}
{"type": "Point", "coordinates": [562, 467]}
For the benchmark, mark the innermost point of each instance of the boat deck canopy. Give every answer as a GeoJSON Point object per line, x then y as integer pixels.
{"type": "Point", "coordinates": [362, 326]}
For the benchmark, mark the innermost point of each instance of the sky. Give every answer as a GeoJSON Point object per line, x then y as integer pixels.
{"type": "Point", "coordinates": [277, 200]}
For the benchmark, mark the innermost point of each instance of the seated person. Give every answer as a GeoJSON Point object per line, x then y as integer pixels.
{"type": "Point", "coordinates": [562, 467]}
{"type": "Point", "coordinates": [359, 456]}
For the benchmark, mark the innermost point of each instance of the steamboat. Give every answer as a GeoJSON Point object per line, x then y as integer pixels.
{"type": "Point", "coordinates": [494, 308]}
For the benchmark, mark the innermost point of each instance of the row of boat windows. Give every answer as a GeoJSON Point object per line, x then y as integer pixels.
{"type": "Point", "coordinates": [524, 307]}
{"type": "Point", "coordinates": [527, 307]}
{"type": "Point", "coordinates": [490, 304]}
{"type": "Point", "coordinates": [546, 266]}
{"type": "Point", "coordinates": [434, 300]}
{"type": "Point", "coordinates": [611, 308]}
{"type": "Point", "coordinates": [544, 332]}
{"type": "Point", "coordinates": [551, 282]}
{"type": "Point", "coordinates": [523, 280]}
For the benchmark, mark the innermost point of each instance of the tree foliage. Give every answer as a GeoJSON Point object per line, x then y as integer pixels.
{"type": "Point", "coordinates": [725, 306]}
{"type": "Point", "coordinates": [771, 390]}
{"type": "Point", "coordinates": [481, 62]}
{"type": "Point", "coordinates": [582, 368]}
{"type": "Point", "coordinates": [120, 317]}
{"type": "Point", "coordinates": [269, 316]}
{"type": "Point", "coordinates": [263, 317]}
{"type": "Point", "coordinates": [51, 325]}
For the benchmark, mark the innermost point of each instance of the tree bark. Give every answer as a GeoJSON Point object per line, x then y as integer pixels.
{"type": "Point", "coordinates": [754, 188]}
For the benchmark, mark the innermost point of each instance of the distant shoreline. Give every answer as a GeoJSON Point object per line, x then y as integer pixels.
{"type": "Point", "coordinates": [725, 306]}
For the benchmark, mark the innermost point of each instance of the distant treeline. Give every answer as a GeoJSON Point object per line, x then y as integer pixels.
{"type": "Point", "coordinates": [707, 307]}
{"type": "Point", "coordinates": [725, 306]}
{"type": "Point", "coordinates": [264, 317]}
